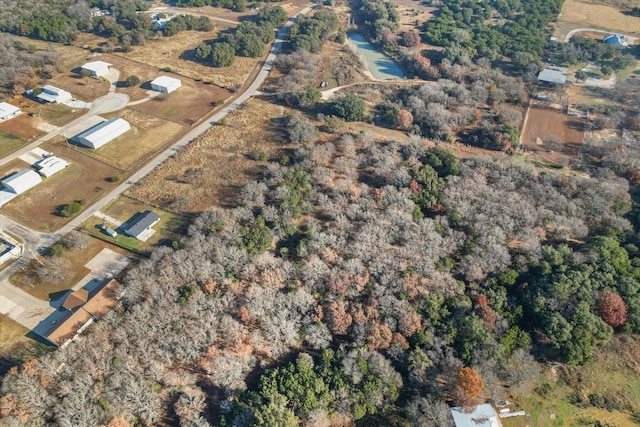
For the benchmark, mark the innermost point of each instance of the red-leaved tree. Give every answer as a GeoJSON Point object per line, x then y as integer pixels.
{"type": "Point", "coordinates": [470, 382]}
{"type": "Point", "coordinates": [612, 309]}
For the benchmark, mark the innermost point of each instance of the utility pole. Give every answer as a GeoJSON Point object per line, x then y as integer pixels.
{"type": "Point", "coordinates": [36, 257]}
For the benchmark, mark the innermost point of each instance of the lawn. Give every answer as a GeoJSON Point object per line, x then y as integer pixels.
{"type": "Point", "coordinates": [76, 270]}
{"type": "Point", "coordinates": [606, 390]}
{"type": "Point", "coordinates": [16, 347]}
{"type": "Point", "coordinates": [59, 114]}
{"type": "Point", "coordinates": [170, 227]}
{"type": "Point", "coordinates": [8, 144]}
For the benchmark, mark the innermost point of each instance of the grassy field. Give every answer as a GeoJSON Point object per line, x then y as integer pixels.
{"type": "Point", "coordinates": [8, 144]}
{"type": "Point", "coordinates": [170, 227]}
{"type": "Point", "coordinates": [59, 114]}
{"type": "Point", "coordinates": [589, 14]}
{"type": "Point", "coordinates": [16, 347]}
{"type": "Point", "coordinates": [607, 390]}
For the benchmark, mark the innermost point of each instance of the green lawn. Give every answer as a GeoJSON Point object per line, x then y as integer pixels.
{"type": "Point", "coordinates": [9, 144]}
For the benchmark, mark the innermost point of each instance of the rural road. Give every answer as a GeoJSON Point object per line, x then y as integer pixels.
{"type": "Point", "coordinates": [328, 94]}
{"type": "Point", "coordinates": [29, 311]}
{"type": "Point", "coordinates": [630, 39]}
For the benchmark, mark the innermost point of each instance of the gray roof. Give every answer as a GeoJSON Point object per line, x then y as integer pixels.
{"type": "Point", "coordinates": [142, 222]}
{"type": "Point", "coordinates": [555, 75]}
{"type": "Point", "coordinates": [481, 416]}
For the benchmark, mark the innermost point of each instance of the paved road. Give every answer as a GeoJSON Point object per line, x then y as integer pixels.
{"type": "Point", "coordinates": [27, 310]}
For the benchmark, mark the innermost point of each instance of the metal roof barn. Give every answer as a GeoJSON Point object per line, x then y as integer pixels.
{"type": "Point", "coordinates": [22, 181]}
{"type": "Point", "coordinates": [7, 110]}
{"type": "Point", "coordinates": [96, 68]}
{"type": "Point", "coordinates": [165, 84]}
{"type": "Point", "coordinates": [53, 94]}
{"type": "Point", "coordinates": [51, 165]}
{"type": "Point", "coordinates": [102, 133]}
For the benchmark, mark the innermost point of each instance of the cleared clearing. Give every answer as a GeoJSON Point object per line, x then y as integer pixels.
{"type": "Point", "coordinates": [589, 14]}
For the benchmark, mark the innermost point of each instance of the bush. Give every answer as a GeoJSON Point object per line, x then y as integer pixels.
{"type": "Point", "coordinates": [222, 55]}
{"type": "Point", "coordinates": [349, 107]}
{"type": "Point", "coordinates": [133, 81]}
{"type": "Point", "coordinates": [69, 210]}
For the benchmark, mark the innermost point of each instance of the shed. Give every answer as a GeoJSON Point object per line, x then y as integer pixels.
{"type": "Point", "coordinates": [619, 41]}
{"type": "Point", "coordinates": [8, 111]}
{"type": "Point", "coordinates": [96, 68]}
{"type": "Point", "coordinates": [480, 416]}
{"type": "Point", "coordinates": [553, 75]}
{"type": "Point", "coordinates": [165, 84]}
{"type": "Point", "coordinates": [140, 226]}
{"type": "Point", "coordinates": [54, 95]}
{"type": "Point", "coordinates": [102, 133]}
{"type": "Point", "coordinates": [21, 181]}
{"type": "Point", "coordinates": [50, 165]}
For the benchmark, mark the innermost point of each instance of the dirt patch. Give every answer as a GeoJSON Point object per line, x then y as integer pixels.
{"type": "Point", "coordinates": [85, 179]}
{"type": "Point", "coordinates": [590, 14]}
{"type": "Point", "coordinates": [213, 168]}
{"type": "Point", "coordinates": [542, 125]}
{"type": "Point", "coordinates": [413, 14]}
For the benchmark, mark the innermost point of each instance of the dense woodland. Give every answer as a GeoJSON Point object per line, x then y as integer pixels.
{"type": "Point", "coordinates": [347, 287]}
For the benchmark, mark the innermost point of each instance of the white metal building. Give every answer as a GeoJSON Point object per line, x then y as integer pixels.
{"type": "Point", "coordinates": [165, 84]}
{"type": "Point", "coordinates": [51, 165]}
{"type": "Point", "coordinates": [102, 133]}
{"type": "Point", "coordinates": [21, 181]}
{"type": "Point", "coordinates": [8, 111]}
{"type": "Point", "coordinates": [54, 95]}
{"type": "Point", "coordinates": [96, 68]}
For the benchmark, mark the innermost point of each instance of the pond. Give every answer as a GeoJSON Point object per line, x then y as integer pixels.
{"type": "Point", "coordinates": [380, 65]}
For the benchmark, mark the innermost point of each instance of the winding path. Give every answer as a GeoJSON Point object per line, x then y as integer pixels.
{"type": "Point", "coordinates": [28, 310]}
{"type": "Point", "coordinates": [630, 39]}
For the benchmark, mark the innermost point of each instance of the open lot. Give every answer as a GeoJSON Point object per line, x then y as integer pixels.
{"type": "Point", "coordinates": [74, 262]}
{"type": "Point", "coordinates": [16, 346]}
{"type": "Point", "coordinates": [590, 14]}
{"type": "Point", "coordinates": [85, 179]}
{"type": "Point", "coordinates": [123, 208]}
{"type": "Point", "coordinates": [213, 168]}
{"type": "Point", "coordinates": [59, 114]}
{"type": "Point", "coordinates": [542, 124]}
{"type": "Point", "coordinates": [9, 143]}
{"type": "Point", "coordinates": [147, 136]}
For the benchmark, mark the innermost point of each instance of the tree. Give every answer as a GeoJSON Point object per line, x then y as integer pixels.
{"type": "Point", "coordinates": [411, 38]}
{"type": "Point", "coordinates": [309, 97]}
{"type": "Point", "coordinates": [222, 54]}
{"type": "Point", "coordinates": [404, 119]}
{"type": "Point", "coordinates": [470, 382]}
{"type": "Point", "coordinates": [349, 107]}
{"type": "Point", "coordinates": [133, 80]}
{"type": "Point", "coordinates": [612, 309]}
{"type": "Point", "coordinates": [257, 237]}
{"type": "Point", "coordinates": [300, 129]}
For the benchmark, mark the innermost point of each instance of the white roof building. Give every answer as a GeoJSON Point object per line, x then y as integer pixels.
{"type": "Point", "coordinates": [102, 133]}
{"type": "Point", "coordinates": [165, 84]}
{"type": "Point", "coordinates": [51, 165]}
{"type": "Point", "coordinates": [619, 41]}
{"type": "Point", "coordinates": [96, 68]}
{"type": "Point", "coordinates": [553, 75]}
{"type": "Point", "coordinates": [8, 111]}
{"type": "Point", "coordinates": [482, 416]}
{"type": "Point", "coordinates": [54, 95]}
{"type": "Point", "coordinates": [21, 181]}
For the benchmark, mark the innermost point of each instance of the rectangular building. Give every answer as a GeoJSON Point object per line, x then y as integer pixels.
{"type": "Point", "coordinates": [50, 165]}
{"type": "Point", "coordinates": [8, 111]}
{"type": "Point", "coordinates": [21, 181]}
{"type": "Point", "coordinates": [54, 95]}
{"type": "Point", "coordinates": [140, 226]}
{"type": "Point", "coordinates": [165, 84]}
{"type": "Point", "coordinates": [96, 68]}
{"type": "Point", "coordinates": [102, 133]}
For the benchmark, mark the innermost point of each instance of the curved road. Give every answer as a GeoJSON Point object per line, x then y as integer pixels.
{"type": "Point", "coordinates": [630, 39]}
{"type": "Point", "coordinates": [29, 311]}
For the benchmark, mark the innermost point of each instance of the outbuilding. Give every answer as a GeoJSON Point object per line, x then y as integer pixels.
{"type": "Point", "coordinates": [553, 75]}
{"type": "Point", "coordinates": [139, 227]}
{"type": "Point", "coordinates": [102, 133]}
{"type": "Point", "coordinates": [480, 416]}
{"type": "Point", "coordinates": [54, 95]}
{"type": "Point", "coordinates": [21, 181]}
{"type": "Point", "coordinates": [96, 68]}
{"type": "Point", "coordinates": [165, 84]}
{"type": "Point", "coordinates": [50, 165]}
{"type": "Point", "coordinates": [619, 41]}
{"type": "Point", "coordinates": [8, 111]}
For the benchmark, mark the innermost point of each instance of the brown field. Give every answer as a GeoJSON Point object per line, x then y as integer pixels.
{"type": "Point", "coordinates": [224, 155]}
{"type": "Point", "coordinates": [83, 88]}
{"type": "Point", "coordinates": [59, 114]}
{"type": "Point", "coordinates": [77, 260]}
{"type": "Point", "coordinates": [591, 14]}
{"type": "Point", "coordinates": [413, 14]}
{"type": "Point", "coordinates": [147, 136]}
{"type": "Point", "coordinates": [544, 123]}
{"type": "Point", "coordinates": [85, 179]}
{"type": "Point", "coordinates": [16, 347]}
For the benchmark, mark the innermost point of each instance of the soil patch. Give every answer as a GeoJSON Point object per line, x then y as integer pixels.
{"type": "Point", "coordinates": [542, 125]}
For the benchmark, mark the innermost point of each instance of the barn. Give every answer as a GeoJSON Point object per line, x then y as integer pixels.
{"type": "Point", "coordinates": [54, 95]}
{"type": "Point", "coordinates": [21, 181]}
{"type": "Point", "coordinates": [96, 68]}
{"type": "Point", "coordinates": [165, 84]}
{"type": "Point", "coordinates": [102, 133]}
{"type": "Point", "coordinates": [8, 111]}
{"type": "Point", "coordinates": [51, 165]}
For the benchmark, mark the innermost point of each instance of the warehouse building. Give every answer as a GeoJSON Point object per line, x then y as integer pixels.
{"type": "Point", "coordinates": [102, 133]}
{"type": "Point", "coordinates": [96, 68]}
{"type": "Point", "coordinates": [8, 111]}
{"type": "Point", "coordinates": [21, 181]}
{"type": "Point", "coordinates": [165, 84]}
{"type": "Point", "coordinates": [51, 165]}
{"type": "Point", "coordinates": [54, 95]}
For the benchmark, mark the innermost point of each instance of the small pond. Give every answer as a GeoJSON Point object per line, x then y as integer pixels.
{"type": "Point", "coordinates": [380, 65]}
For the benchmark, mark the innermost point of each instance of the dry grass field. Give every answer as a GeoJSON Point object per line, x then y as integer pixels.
{"type": "Point", "coordinates": [148, 135]}
{"type": "Point", "coordinates": [15, 346]}
{"type": "Point", "coordinates": [542, 124]}
{"type": "Point", "coordinates": [213, 168]}
{"type": "Point", "coordinates": [85, 179]}
{"type": "Point", "coordinates": [590, 14]}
